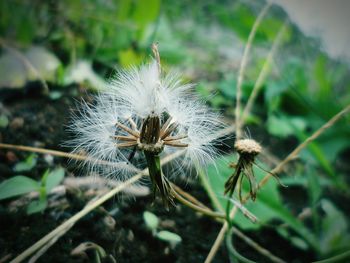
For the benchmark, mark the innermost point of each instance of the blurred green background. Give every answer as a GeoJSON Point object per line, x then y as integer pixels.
{"type": "Point", "coordinates": [64, 43]}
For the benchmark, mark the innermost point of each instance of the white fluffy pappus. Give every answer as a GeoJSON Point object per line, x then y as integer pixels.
{"type": "Point", "coordinates": [108, 130]}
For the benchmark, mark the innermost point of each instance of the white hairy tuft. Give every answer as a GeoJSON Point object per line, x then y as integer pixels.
{"type": "Point", "coordinates": [136, 94]}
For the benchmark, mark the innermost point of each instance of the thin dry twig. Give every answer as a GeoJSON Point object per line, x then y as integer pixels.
{"type": "Point", "coordinates": [71, 221]}
{"type": "Point", "coordinates": [92, 205]}
{"type": "Point", "coordinates": [293, 155]}
{"type": "Point", "coordinates": [219, 207]}
{"type": "Point", "coordinates": [80, 157]}
{"type": "Point", "coordinates": [49, 244]}
{"type": "Point", "coordinates": [243, 66]}
{"type": "Point", "coordinates": [188, 196]}
{"type": "Point", "coordinates": [202, 210]}
{"type": "Point", "coordinates": [74, 156]}
{"type": "Point", "coordinates": [263, 73]}
{"type": "Point", "coordinates": [43, 151]}
{"type": "Point", "coordinates": [217, 243]}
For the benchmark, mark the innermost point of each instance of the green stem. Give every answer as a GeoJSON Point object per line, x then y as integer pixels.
{"type": "Point", "coordinates": [232, 251]}
{"type": "Point", "coordinates": [207, 186]}
{"type": "Point", "coordinates": [159, 182]}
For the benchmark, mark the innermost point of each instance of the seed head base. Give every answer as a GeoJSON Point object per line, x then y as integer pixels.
{"type": "Point", "coordinates": [247, 149]}
{"type": "Point", "coordinates": [151, 139]}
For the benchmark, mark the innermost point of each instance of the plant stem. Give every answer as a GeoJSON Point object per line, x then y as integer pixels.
{"type": "Point", "coordinates": [215, 247]}
{"type": "Point", "coordinates": [198, 208]}
{"type": "Point", "coordinates": [263, 74]}
{"type": "Point", "coordinates": [232, 249]}
{"type": "Point", "coordinates": [188, 196]}
{"type": "Point", "coordinates": [243, 66]}
{"type": "Point", "coordinates": [276, 170]}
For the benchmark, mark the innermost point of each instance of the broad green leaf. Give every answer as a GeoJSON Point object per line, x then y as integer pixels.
{"type": "Point", "coordinates": [169, 237]}
{"type": "Point", "coordinates": [151, 220]}
{"type": "Point", "coordinates": [37, 206]}
{"type": "Point", "coordinates": [28, 164]}
{"type": "Point", "coordinates": [17, 185]}
{"type": "Point", "coordinates": [54, 178]}
{"type": "Point", "coordinates": [284, 126]}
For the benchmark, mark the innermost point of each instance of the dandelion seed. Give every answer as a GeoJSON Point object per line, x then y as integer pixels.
{"type": "Point", "coordinates": [144, 115]}
{"type": "Point", "coordinates": [247, 149]}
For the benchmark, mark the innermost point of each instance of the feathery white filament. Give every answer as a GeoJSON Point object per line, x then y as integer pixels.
{"type": "Point", "coordinates": [133, 96]}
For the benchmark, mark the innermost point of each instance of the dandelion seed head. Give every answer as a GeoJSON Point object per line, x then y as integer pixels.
{"type": "Point", "coordinates": [109, 130]}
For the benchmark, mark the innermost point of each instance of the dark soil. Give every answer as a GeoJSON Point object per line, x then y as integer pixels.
{"type": "Point", "coordinates": [35, 120]}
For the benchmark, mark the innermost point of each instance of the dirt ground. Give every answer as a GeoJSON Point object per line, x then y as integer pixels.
{"type": "Point", "coordinates": [118, 226]}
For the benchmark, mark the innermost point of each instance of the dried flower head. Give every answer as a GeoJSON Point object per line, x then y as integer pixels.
{"type": "Point", "coordinates": [144, 115]}
{"type": "Point", "coordinates": [247, 149]}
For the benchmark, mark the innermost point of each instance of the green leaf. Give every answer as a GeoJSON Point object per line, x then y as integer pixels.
{"type": "Point", "coordinates": [124, 7]}
{"type": "Point", "coordinates": [37, 206]}
{"type": "Point", "coordinates": [169, 237]}
{"type": "Point", "coordinates": [28, 164]}
{"type": "Point", "coordinates": [228, 88]}
{"type": "Point", "coordinates": [54, 178]}
{"type": "Point", "coordinates": [314, 187]}
{"type": "Point", "coordinates": [17, 185]}
{"type": "Point", "coordinates": [145, 13]}
{"type": "Point", "coordinates": [335, 229]}
{"type": "Point", "coordinates": [298, 242]}
{"type": "Point", "coordinates": [4, 121]}
{"type": "Point", "coordinates": [284, 126]}
{"type": "Point", "coordinates": [151, 220]}
{"type": "Point", "coordinates": [129, 57]}
{"type": "Point", "coordinates": [55, 95]}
